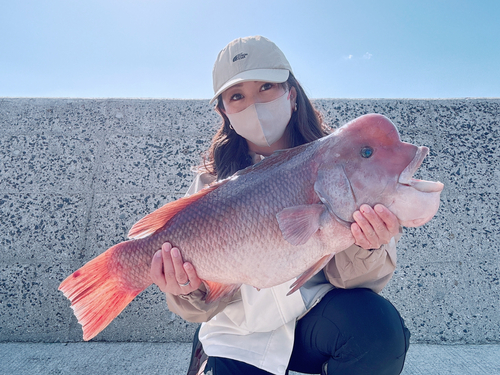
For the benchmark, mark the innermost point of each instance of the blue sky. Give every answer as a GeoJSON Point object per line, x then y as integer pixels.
{"type": "Point", "coordinates": [166, 49]}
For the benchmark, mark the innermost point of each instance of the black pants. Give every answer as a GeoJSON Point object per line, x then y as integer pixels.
{"type": "Point", "coordinates": [355, 330]}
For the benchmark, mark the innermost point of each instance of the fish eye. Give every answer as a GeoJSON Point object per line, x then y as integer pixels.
{"type": "Point", "coordinates": [366, 152]}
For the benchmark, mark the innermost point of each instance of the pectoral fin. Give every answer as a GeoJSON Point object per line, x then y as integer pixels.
{"type": "Point", "coordinates": [299, 223]}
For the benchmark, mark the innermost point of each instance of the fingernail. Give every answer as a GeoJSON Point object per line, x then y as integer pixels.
{"type": "Point", "coordinates": [379, 208]}
{"type": "Point", "coordinates": [158, 254]}
{"type": "Point", "coordinates": [187, 266]}
{"type": "Point", "coordinates": [365, 208]}
{"type": "Point", "coordinates": [175, 253]}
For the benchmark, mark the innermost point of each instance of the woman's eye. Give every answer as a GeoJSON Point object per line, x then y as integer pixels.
{"type": "Point", "coordinates": [236, 97]}
{"type": "Point", "coordinates": [266, 86]}
{"type": "Point", "coordinates": [366, 152]}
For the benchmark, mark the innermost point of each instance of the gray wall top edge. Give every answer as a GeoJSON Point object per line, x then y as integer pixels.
{"type": "Point", "coordinates": [412, 99]}
{"type": "Point", "coordinates": [98, 99]}
{"type": "Point", "coordinates": [198, 99]}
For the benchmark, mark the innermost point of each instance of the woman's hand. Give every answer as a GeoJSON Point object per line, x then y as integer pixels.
{"type": "Point", "coordinates": [171, 274]}
{"type": "Point", "coordinates": [374, 227]}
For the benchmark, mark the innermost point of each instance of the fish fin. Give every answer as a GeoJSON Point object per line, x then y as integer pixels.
{"type": "Point", "coordinates": [156, 220]}
{"type": "Point", "coordinates": [274, 160]}
{"type": "Point", "coordinates": [310, 273]}
{"type": "Point", "coordinates": [97, 295]}
{"type": "Point", "coordinates": [299, 223]}
{"type": "Point", "coordinates": [216, 291]}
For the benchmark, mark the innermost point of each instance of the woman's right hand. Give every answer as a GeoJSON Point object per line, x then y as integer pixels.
{"type": "Point", "coordinates": [171, 274]}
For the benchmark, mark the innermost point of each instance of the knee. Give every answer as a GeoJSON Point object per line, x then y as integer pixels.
{"type": "Point", "coordinates": [375, 339]}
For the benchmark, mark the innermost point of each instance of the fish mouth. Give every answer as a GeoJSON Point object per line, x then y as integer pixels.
{"type": "Point", "coordinates": [406, 177]}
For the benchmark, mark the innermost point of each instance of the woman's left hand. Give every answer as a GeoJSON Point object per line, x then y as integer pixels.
{"type": "Point", "coordinates": [374, 227]}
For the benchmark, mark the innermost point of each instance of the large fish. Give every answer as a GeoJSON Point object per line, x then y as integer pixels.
{"type": "Point", "coordinates": [280, 219]}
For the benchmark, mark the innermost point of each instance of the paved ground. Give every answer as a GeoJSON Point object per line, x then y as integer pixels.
{"type": "Point", "coordinates": [172, 359]}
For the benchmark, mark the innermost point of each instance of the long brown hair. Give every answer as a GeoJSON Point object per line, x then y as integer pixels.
{"type": "Point", "coordinates": [228, 152]}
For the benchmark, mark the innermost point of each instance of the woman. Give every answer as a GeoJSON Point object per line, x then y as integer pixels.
{"type": "Point", "coordinates": [337, 324]}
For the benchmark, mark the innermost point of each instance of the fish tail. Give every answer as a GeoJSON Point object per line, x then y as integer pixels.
{"type": "Point", "coordinates": [98, 293]}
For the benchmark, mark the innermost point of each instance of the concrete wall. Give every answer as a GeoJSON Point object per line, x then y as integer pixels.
{"type": "Point", "coordinates": [76, 174]}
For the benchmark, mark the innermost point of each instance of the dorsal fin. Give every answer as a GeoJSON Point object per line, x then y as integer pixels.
{"type": "Point", "coordinates": [156, 220]}
{"type": "Point", "coordinates": [275, 159]}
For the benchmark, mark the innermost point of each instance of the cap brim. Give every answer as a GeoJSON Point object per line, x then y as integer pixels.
{"type": "Point", "coordinates": [265, 75]}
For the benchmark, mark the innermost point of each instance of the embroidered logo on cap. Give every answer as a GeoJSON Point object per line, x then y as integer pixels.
{"type": "Point", "coordinates": [239, 56]}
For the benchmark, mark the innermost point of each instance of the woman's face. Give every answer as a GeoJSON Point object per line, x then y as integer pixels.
{"type": "Point", "coordinates": [243, 95]}
{"type": "Point", "coordinates": [238, 97]}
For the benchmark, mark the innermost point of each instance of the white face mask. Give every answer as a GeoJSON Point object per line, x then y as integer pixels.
{"type": "Point", "coordinates": [263, 123]}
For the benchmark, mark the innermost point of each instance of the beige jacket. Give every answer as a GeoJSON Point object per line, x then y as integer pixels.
{"type": "Point", "coordinates": [257, 327]}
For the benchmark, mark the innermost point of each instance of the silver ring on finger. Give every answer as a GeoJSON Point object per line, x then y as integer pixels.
{"type": "Point", "coordinates": [186, 283]}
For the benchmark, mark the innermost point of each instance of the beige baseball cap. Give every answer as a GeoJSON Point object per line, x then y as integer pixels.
{"type": "Point", "coordinates": [253, 58]}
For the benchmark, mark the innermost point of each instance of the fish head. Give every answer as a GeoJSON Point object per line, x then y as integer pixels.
{"type": "Point", "coordinates": [380, 169]}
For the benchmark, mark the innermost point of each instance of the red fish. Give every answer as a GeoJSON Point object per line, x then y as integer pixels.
{"type": "Point", "coordinates": [280, 219]}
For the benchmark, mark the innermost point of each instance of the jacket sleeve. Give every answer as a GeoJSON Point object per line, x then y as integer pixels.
{"type": "Point", "coordinates": [356, 267]}
{"type": "Point", "coordinates": [192, 307]}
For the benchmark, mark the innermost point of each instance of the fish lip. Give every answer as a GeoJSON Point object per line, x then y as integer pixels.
{"type": "Point", "coordinates": [406, 177]}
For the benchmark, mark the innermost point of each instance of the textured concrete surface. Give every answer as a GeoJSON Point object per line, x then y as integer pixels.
{"type": "Point", "coordinates": [173, 359]}
{"type": "Point", "coordinates": [75, 174]}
